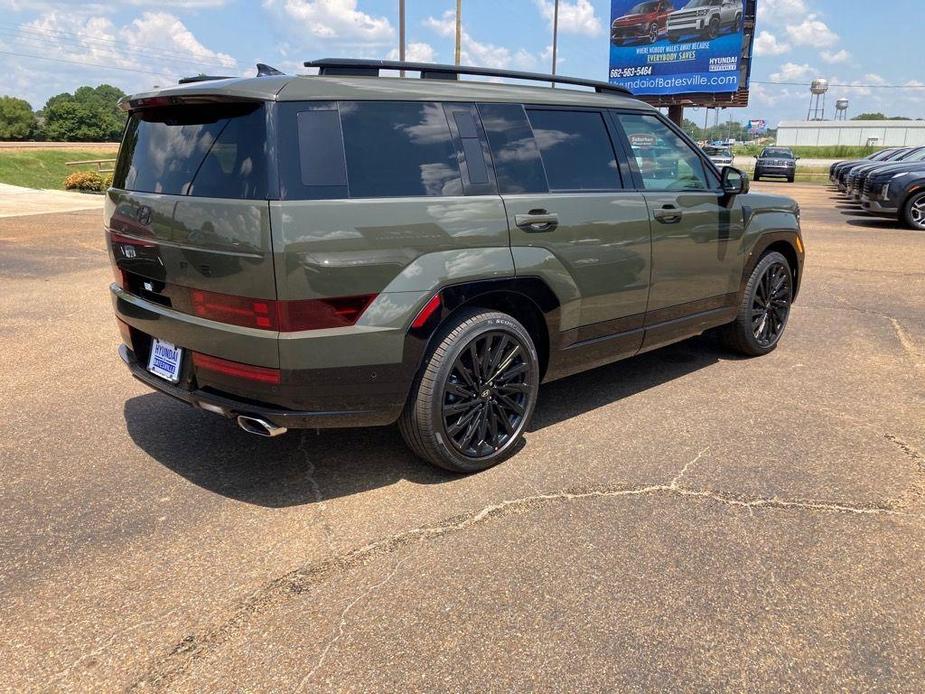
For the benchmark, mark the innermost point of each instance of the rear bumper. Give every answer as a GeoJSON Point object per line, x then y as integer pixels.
{"type": "Point", "coordinates": [231, 407]}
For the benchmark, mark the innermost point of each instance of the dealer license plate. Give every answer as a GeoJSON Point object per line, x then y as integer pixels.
{"type": "Point", "coordinates": [165, 360]}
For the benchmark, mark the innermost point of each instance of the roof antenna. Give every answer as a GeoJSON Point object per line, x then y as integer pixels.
{"type": "Point", "coordinates": [264, 70]}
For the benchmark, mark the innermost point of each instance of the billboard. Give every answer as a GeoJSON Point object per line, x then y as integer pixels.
{"type": "Point", "coordinates": [757, 127]}
{"type": "Point", "coordinates": [674, 47]}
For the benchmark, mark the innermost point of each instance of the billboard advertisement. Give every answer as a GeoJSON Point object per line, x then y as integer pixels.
{"type": "Point", "coordinates": [757, 127]}
{"type": "Point", "coordinates": [670, 47]}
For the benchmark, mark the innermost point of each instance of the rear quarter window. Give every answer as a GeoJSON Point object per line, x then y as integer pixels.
{"type": "Point", "coordinates": [367, 149]}
{"type": "Point", "coordinates": [214, 151]}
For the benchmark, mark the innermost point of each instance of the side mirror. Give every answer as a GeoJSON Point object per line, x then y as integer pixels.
{"type": "Point", "coordinates": [735, 182]}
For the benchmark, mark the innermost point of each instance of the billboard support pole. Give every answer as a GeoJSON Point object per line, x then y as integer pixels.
{"type": "Point", "coordinates": [676, 114]}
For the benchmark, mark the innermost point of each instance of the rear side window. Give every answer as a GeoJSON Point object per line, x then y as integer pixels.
{"type": "Point", "coordinates": [204, 151]}
{"type": "Point", "coordinates": [516, 157]}
{"type": "Point", "coordinates": [576, 150]}
{"type": "Point", "coordinates": [396, 149]}
{"type": "Point", "coordinates": [366, 149]}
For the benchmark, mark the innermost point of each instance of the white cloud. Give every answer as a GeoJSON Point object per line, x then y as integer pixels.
{"type": "Point", "coordinates": [334, 19]}
{"type": "Point", "coordinates": [834, 57]}
{"type": "Point", "coordinates": [781, 11]}
{"type": "Point", "coordinates": [98, 40]}
{"type": "Point", "coordinates": [812, 31]}
{"type": "Point", "coordinates": [576, 17]}
{"type": "Point", "coordinates": [792, 72]}
{"type": "Point", "coordinates": [474, 52]}
{"type": "Point", "coordinates": [416, 52]}
{"type": "Point", "coordinates": [767, 43]}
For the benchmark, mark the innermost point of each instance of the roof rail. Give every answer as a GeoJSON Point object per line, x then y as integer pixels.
{"type": "Point", "coordinates": [371, 68]}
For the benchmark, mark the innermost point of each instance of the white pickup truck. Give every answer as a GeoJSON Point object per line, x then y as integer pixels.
{"type": "Point", "coordinates": [707, 18]}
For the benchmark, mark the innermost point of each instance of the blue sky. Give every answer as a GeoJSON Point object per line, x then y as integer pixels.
{"type": "Point", "coordinates": [136, 44]}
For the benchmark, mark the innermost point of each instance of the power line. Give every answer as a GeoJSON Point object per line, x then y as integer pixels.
{"type": "Point", "coordinates": [77, 62]}
{"type": "Point", "coordinates": [852, 86]}
{"type": "Point", "coordinates": [86, 42]}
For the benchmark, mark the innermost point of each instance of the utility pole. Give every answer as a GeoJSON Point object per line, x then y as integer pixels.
{"type": "Point", "coordinates": [555, 37]}
{"type": "Point", "coordinates": [458, 30]}
{"type": "Point", "coordinates": [401, 33]}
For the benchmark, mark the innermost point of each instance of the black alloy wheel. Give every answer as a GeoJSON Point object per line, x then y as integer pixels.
{"type": "Point", "coordinates": [475, 393]}
{"type": "Point", "coordinates": [485, 396]}
{"type": "Point", "coordinates": [764, 308]}
{"type": "Point", "coordinates": [713, 28]}
{"type": "Point", "coordinates": [771, 304]}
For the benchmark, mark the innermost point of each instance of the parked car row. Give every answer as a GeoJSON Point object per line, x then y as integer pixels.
{"type": "Point", "coordinates": [888, 183]}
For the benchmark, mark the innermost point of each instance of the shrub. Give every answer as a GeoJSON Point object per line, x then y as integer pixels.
{"type": "Point", "coordinates": [107, 181]}
{"type": "Point", "coordinates": [90, 181]}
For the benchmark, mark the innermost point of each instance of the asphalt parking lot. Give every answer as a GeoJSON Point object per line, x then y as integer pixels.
{"type": "Point", "coordinates": [685, 520]}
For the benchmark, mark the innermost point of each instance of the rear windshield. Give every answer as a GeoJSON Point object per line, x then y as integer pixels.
{"type": "Point", "coordinates": [215, 151]}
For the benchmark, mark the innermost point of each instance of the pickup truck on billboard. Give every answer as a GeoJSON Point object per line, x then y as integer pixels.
{"type": "Point", "coordinates": [668, 47]}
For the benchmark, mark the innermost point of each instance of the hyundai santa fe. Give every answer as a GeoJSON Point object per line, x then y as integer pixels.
{"type": "Point", "coordinates": [349, 249]}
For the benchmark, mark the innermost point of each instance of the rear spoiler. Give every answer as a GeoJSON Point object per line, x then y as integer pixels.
{"type": "Point", "coordinates": [129, 104]}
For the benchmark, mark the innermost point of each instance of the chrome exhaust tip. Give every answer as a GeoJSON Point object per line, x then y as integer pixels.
{"type": "Point", "coordinates": [259, 427]}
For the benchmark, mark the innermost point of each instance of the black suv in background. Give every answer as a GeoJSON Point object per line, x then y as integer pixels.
{"type": "Point", "coordinates": [776, 161]}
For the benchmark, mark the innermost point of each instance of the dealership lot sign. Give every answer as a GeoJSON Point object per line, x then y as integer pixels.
{"type": "Point", "coordinates": [669, 47]}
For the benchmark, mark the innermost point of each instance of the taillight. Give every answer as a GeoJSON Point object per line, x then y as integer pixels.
{"type": "Point", "coordinates": [312, 314]}
{"type": "Point", "coordinates": [286, 316]}
{"type": "Point", "coordinates": [236, 310]}
{"type": "Point", "coordinates": [236, 369]}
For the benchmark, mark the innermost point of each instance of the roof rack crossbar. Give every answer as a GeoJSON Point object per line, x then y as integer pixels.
{"type": "Point", "coordinates": [353, 66]}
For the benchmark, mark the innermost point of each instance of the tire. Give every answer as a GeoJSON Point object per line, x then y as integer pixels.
{"type": "Point", "coordinates": [756, 177]}
{"type": "Point", "coordinates": [653, 32]}
{"type": "Point", "coordinates": [713, 28]}
{"type": "Point", "coordinates": [790, 179]}
{"type": "Point", "coordinates": [914, 212]}
{"type": "Point", "coordinates": [758, 328]}
{"type": "Point", "coordinates": [486, 422]}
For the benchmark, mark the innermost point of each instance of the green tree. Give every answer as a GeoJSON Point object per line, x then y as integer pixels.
{"type": "Point", "coordinates": [89, 114]}
{"type": "Point", "coordinates": [16, 118]}
{"type": "Point", "coordinates": [870, 116]}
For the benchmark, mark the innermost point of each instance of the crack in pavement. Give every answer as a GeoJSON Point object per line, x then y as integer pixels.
{"type": "Point", "coordinates": [175, 662]}
{"type": "Point", "coordinates": [916, 491]}
{"type": "Point", "coordinates": [343, 622]}
{"type": "Point", "coordinates": [108, 642]}
{"type": "Point", "coordinates": [907, 343]}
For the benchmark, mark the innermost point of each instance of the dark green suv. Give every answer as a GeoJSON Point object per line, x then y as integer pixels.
{"type": "Point", "coordinates": [351, 249]}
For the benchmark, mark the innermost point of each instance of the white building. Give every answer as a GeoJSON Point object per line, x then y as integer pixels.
{"type": "Point", "coordinates": [878, 133]}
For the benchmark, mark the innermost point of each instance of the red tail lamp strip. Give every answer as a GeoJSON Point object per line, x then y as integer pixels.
{"type": "Point", "coordinates": [235, 369]}
{"type": "Point", "coordinates": [429, 309]}
{"type": "Point", "coordinates": [285, 316]}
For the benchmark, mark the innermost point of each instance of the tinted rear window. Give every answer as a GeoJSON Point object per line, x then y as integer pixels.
{"type": "Point", "coordinates": [398, 148]}
{"type": "Point", "coordinates": [516, 157]}
{"type": "Point", "coordinates": [204, 151]}
{"type": "Point", "coordinates": [576, 150]}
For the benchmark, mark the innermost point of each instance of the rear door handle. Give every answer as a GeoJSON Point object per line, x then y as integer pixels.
{"type": "Point", "coordinates": [668, 214]}
{"type": "Point", "coordinates": [537, 221]}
